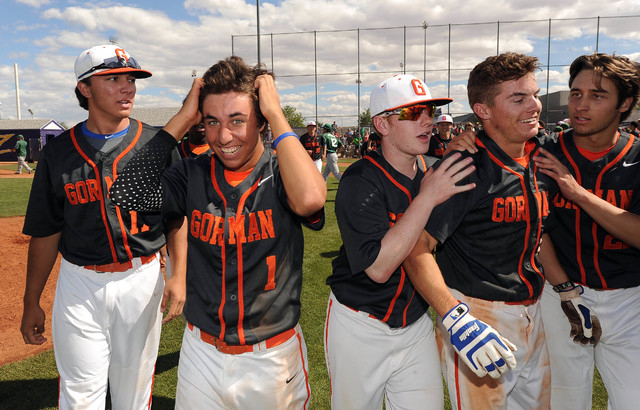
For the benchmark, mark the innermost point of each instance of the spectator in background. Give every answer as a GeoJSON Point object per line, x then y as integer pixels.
{"type": "Point", "coordinates": [314, 144]}
{"type": "Point", "coordinates": [633, 128]}
{"type": "Point", "coordinates": [438, 143]}
{"type": "Point", "coordinates": [365, 146]}
{"type": "Point", "coordinates": [332, 144]}
{"type": "Point", "coordinates": [21, 151]}
{"type": "Point", "coordinates": [194, 143]}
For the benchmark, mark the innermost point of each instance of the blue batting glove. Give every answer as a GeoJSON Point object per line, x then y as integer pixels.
{"type": "Point", "coordinates": [585, 325]}
{"type": "Point", "coordinates": [479, 345]}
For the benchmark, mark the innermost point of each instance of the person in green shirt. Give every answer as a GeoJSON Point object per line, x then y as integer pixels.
{"type": "Point", "coordinates": [21, 151]}
{"type": "Point", "coordinates": [331, 144]}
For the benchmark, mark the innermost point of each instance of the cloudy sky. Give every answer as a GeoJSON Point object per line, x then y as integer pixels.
{"type": "Point", "coordinates": [317, 49]}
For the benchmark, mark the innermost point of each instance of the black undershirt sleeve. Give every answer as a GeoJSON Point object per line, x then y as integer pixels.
{"type": "Point", "coordinates": [138, 186]}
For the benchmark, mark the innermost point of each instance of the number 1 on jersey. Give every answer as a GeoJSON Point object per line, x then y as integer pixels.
{"type": "Point", "coordinates": [271, 274]}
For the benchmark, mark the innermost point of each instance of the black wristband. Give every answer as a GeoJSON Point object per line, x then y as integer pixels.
{"type": "Point", "coordinates": [563, 286]}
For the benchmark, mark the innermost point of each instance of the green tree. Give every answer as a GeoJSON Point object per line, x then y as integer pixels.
{"type": "Point", "coordinates": [365, 118]}
{"type": "Point", "coordinates": [294, 118]}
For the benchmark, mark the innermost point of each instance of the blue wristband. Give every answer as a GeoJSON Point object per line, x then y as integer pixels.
{"type": "Point", "coordinates": [282, 136]}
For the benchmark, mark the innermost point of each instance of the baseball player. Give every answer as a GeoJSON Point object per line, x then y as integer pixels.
{"type": "Point", "coordinates": [21, 151]}
{"type": "Point", "coordinates": [488, 240]}
{"type": "Point", "coordinates": [379, 341]}
{"type": "Point", "coordinates": [593, 272]}
{"type": "Point", "coordinates": [331, 145]}
{"type": "Point", "coordinates": [106, 314]}
{"type": "Point", "coordinates": [439, 142]}
{"type": "Point", "coordinates": [242, 347]}
{"type": "Point", "coordinates": [194, 144]}
{"type": "Point", "coordinates": [314, 144]}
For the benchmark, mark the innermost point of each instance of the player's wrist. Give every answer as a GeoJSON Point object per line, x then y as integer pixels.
{"type": "Point", "coordinates": [571, 293]}
{"type": "Point", "coordinates": [564, 286]}
{"type": "Point", "coordinates": [455, 315]}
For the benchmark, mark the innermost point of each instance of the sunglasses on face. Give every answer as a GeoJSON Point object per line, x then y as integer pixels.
{"type": "Point", "coordinates": [413, 112]}
{"type": "Point", "coordinates": [115, 63]}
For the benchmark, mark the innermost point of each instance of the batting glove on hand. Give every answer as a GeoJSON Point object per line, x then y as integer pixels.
{"type": "Point", "coordinates": [585, 325]}
{"type": "Point", "coordinates": [479, 345]}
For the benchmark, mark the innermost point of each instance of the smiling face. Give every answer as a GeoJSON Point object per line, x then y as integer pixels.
{"type": "Point", "coordinates": [444, 129]}
{"type": "Point", "coordinates": [512, 119]}
{"type": "Point", "coordinates": [593, 108]}
{"type": "Point", "coordinates": [110, 97]}
{"type": "Point", "coordinates": [232, 131]}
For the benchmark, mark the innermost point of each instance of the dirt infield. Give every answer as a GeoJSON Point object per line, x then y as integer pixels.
{"type": "Point", "coordinates": [13, 272]}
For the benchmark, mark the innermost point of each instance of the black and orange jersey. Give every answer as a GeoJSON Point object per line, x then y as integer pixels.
{"type": "Point", "coordinates": [489, 236]}
{"type": "Point", "coordinates": [586, 251]}
{"type": "Point", "coordinates": [437, 146]}
{"type": "Point", "coordinates": [188, 150]}
{"type": "Point", "coordinates": [245, 252]}
{"type": "Point", "coordinates": [315, 144]}
{"type": "Point", "coordinates": [69, 195]}
{"type": "Point", "coordinates": [371, 197]}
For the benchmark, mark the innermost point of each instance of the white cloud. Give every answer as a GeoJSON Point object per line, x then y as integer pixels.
{"type": "Point", "coordinates": [173, 39]}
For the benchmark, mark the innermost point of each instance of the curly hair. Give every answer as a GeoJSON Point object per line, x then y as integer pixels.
{"type": "Point", "coordinates": [233, 75]}
{"type": "Point", "coordinates": [485, 77]}
{"type": "Point", "coordinates": [624, 73]}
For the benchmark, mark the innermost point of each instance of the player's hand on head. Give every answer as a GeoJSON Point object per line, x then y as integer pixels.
{"type": "Point", "coordinates": [465, 141]}
{"type": "Point", "coordinates": [268, 96]}
{"type": "Point", "coordinates": [585, 325]}
{"type": "Point", "coordinates": [174, 296]}
{"type": "Point", "coordinates": [440, 184]}
{"type": "Point", "coordinates": [479, 345]}
{"type": "Point", "coordinates": [32, 326]}
{"type": "Point", "coordinates": [551, 166]}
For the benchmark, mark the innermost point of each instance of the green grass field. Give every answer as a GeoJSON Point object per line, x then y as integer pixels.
{"type": "Point", "coordinates": [32, 383]}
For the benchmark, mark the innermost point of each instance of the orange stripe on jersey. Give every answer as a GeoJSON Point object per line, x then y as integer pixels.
{"type": "Point", "coordinates": [406, 308]}
{"type": "Point", "coordinates": [396, 183]}
{"type": "Point", "coordinates": [223, 252]}
{"type": "Point", "coordinates": [526, 203]}
{"type": "Point", "coordinates": [594, 228]}
{"type": "Point", "coordinates": [103, 209]}
{"type": "Point", "coordinates": [241, 264]}
{"type": "Point", "coordinates": [576, 223]}
{"type": "Point", "coordinates": [541, 207]}
{"type": "Point", "coordinates": [123, 229]}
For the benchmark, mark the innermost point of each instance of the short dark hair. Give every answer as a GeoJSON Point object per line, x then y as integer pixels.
{"type": "Point", "coordinates": [485, 77]}
{"type": "Point", "coordinates": [233, 75]}
{"type": "Point", "coordinates": [624, 73]}
{"type": "Point", "coordinates": [82, 100]}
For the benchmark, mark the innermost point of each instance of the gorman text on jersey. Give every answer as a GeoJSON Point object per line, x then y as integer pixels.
{"type": "Point", "coordinates": [513, 209]}
{"type": "Point", "coordinates": [243, 228]}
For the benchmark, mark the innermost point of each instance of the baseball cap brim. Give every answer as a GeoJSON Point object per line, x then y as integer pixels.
{"type": "Point", "coordinates": [136, 72]}
{"type": "Point", "coordinates": [435, 101]}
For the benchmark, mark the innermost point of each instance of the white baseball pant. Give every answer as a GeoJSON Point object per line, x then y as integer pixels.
{"type": "Point", "coordinates": [370, 362]}
{"type": "Point", "coordinates": [318, 163]}
{"type": "Point", "coordinates": [525, 387]}
{"type": "Point", "coordinates": [106, 328]}
{"type": "Point", "coordinates": [331, 167]}
{"type": "Point", "coordinates": [23, 163]}
{"type": "Point", "coordinates": [617, 355]}
{"type": "Point", "coordinates": [273, 378]}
